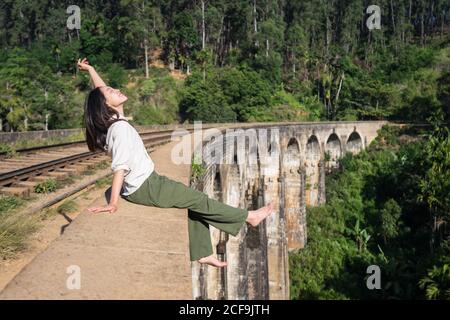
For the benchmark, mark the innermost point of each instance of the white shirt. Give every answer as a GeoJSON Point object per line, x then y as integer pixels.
{"type": "Point", "coordinates": [128, 152]}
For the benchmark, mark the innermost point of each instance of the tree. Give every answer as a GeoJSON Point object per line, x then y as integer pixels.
{"type": "Point", "coordinates": [390, 217]}
{"type": "Point", "coordinates": [437, 283]}
{"type": "Point", "coordinates": [205, 102]}
{"type": "Point", "coordinates": [435, 185]}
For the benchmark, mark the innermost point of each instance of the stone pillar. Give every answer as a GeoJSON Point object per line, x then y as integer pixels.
{"type": "Point", "coordinates": [303, 234]}
{"type": "Point", "coordinates": [207, 280]}
{"type": "Point", "coordinates": [321, 199]}
{"type": "Point", "coordinates": [290, 171]}
{"type": "Point", "coordinates": [256, 243]}
{"type": "Point", "coordinates": [344, 144]}
{"type": "Point", "coordinates": [276, 248]}
{"type": "Point", "coordinates": [234, 247]}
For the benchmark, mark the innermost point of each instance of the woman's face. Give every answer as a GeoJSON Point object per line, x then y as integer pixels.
{"type": "Point", "coordinates": [114, 97]}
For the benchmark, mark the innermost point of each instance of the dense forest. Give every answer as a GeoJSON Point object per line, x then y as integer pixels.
{"type": "Point", "coordinates": [388, 206]}
{"type": "Point", "coordinates": [272, 60]}
{"type": "Point", "coordinates": [252, 60]}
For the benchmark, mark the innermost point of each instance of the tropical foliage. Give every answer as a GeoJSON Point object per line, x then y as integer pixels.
{"type": "Point", "coordinates": [387, 206]}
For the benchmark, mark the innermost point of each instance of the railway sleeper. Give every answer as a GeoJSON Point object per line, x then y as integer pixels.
{"type": "Point", "coordinates": [69, 171]}
{"type": "Point", "coordinates": [25, 184]}
{"type": "Point", "coordinates": [41, 178]}
{"type": "Point", "coordinates": [15, 191]}
{"type": "Point", "coordinates": [58, 175]}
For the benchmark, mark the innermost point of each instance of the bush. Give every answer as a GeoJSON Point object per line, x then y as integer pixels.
{"type": "Point", "coordinates": [117, 76]}
{"type": "Point", "coordinates": [47, 186]}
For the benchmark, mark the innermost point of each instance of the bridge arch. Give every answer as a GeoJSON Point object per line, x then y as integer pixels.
{"type": "Point", "coordinates": [334, 148]}
{"type": "Point", "coordinates": [292, 154]}
{"type": "Point", "coordinates": [313, 148]}
{"type": "Point", "coordinates": [354, 143]}
{"type": "Point", "coordinates": [234, 166]}
{"type": "Point", "coordinates": [312, 159]}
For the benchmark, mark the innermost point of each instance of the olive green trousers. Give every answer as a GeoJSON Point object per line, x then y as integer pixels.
{"type": "Point", "coordinates": [163, 192]}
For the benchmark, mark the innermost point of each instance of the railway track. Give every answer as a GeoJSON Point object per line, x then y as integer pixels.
{"type": "Point", "coordinates": [31, 166]}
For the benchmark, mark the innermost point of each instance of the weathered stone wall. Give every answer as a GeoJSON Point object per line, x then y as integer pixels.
{"type": "Point", "coordinates": [292, 177]}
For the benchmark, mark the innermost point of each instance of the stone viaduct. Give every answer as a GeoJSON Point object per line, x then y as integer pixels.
{"type": "Point", "coordinates": [250, 167]}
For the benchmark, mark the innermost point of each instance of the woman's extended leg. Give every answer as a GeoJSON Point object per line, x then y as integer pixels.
{"type": "Point", "coordinates": [160, 191]}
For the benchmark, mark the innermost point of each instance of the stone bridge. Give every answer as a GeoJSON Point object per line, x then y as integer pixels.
{"type": "Point", "coordinates": [250, 167]}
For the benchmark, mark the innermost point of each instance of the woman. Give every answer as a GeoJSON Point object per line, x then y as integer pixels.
{"type": "Point", "coordinates": [136, 180]}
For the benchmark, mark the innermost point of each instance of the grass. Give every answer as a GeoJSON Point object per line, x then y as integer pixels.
{"type": "Point", "coordinates": [67, 207]}
{"type": "Point", "coordinates": [8, 203]}
{"type": "Point", "coordinates": [10, 151]}
{"type": "Point", "coordinates": [14, 232]}
{"type": "Point", "coordinates": [103, 182]}
{"type": "Point", "coordinates": [101, 165]}
{"type": "Point", "coordinates": [14, 227]}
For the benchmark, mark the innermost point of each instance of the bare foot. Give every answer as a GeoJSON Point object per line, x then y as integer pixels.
{"type": "Point", "coordinates": [212, 261]}
{"type": "Point", "coordinates": [256, 216]}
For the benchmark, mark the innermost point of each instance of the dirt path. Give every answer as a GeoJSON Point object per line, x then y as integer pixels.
{"type": "Point", "coordinates": [137, 252]}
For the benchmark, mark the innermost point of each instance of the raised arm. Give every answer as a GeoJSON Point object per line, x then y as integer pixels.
{"type": "Point", "coordinates": [83, 65]}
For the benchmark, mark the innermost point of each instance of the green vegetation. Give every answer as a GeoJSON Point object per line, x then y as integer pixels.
{"type": "Point", "coordinates": [238, 94]}
{"type": "Point", "coordinates": [197, 168]}
{"type": "Point", "coordinates": [8, 203]}
{"type": "Point", "coordinates": [253, 60]}
{"type": "Point", "coordinates": [14, 228]}
{"type": "Point", "coordinates": [46, 186]}
{"type": "Point", "coordinates": [14, 231]}
{"type": "Point", "coordinates": [387, 206]}
{"type": "Point", "coordinates": [10, 151]}
{"type": "Point", "coordinates": [17, 227]}
{"type": "Point", "coordinates": [67, 207]}
{"type": "Point", "coordinates": [103, 182]}
{"type": "Point", "coordinates": [155, 100]}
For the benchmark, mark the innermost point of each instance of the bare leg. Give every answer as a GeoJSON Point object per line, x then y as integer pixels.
{"type": "Point", "coordinates": [254, 218]}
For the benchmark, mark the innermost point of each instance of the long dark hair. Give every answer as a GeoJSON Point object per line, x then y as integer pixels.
{"type": "Point", "coordinates": [97, 120]}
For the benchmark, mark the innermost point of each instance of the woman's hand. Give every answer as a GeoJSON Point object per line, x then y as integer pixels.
{"type": "Point", "coordinates": [83, 65]}
{"type": "Point", "coordinates": [110, 207]}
